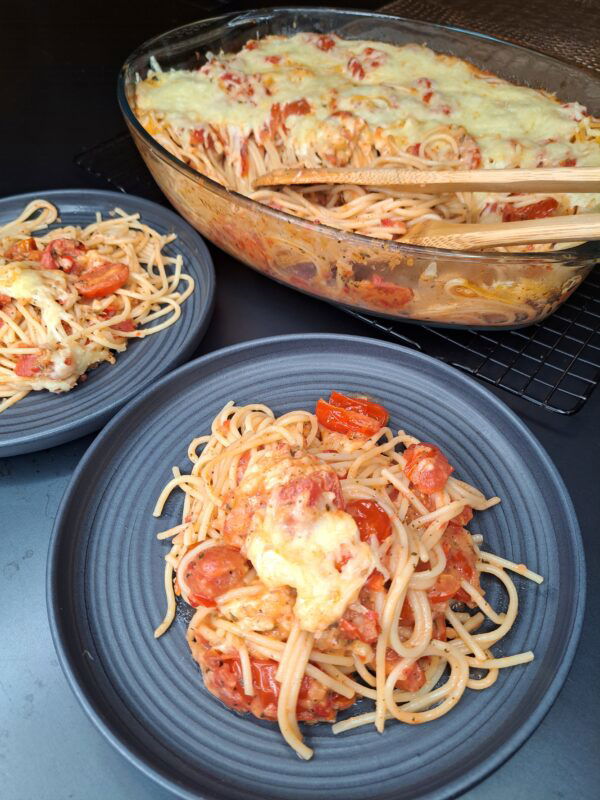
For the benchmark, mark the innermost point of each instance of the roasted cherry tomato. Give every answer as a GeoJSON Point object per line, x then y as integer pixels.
{"type": "Point", "coordinates": [23, 250]}
{"type": "Point", "coordinates": [445, 587]}
{"type": "Point", "coordinates": [465, 516]}
{"type": "Point", "coordinates": [297, 107]}
{"type": "Point", "coordinates": [413, 679]}
{"type": "Point", "coordinates": [362, 405]}
{"type": "Point", "coordinates": [127, 325]}
{"type": "Point", "coordinates": [62, 254]}
{"type": "Point", "coordinates": [414, 676]}
{"type": "Point", "coordinates": [355, 68]}
{"type": "Point", "coordinates": [28, 366]}
{"type": "Point", "coordinates": [109, 312]}
{"type": "Point", "coordinates": [263, 678]}
{"type": "Point", "coordinates": [213, 572]}
{"type": "Point", "coordinates": [102, 280]}
{"type": "Point", "coordinates": [375, 582]}
{"type": "Point", "coordinates": [343, 420]}
{"type": "Point", "coordinates": [381, 294]}
{"type": "Point", "coordinates": [427, 468]}
{"type": "Point", "coordinates": [279, 113]}
{"type": "Point", "coordinates": [543, 208]}
{"type": "Point", "coordinates": [370, 518]}
{"type": "Point", "coordinates": [199, 600]}
{"type": "Point", "coordinates": [325, 43]}
{"type": "Point", "coordinates": [223, 676]}
{"type": "Point", "coordinates": [361, 623]}
{"type": "Point", "coordinates": [460, 559]}
{"type": "Point", "coordinates": [312, 488]}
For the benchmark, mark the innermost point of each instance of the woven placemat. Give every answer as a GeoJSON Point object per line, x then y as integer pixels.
{"type": "Point", "coordinates": [566, 29]}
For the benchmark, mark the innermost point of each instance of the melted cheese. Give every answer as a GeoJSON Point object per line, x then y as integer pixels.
{"type": "Point", "coordinates": [304, 556]}
{"type": "Point", "coordinates": [68, 360]}
{"type": "Point", "coordinates": [512, 125]}
{"type": "Point", "coordinates": [28, 285]}
{"type": "Point", "coordinates": [20, 283]}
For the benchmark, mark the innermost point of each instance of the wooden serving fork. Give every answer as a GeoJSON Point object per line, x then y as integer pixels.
{"type": "Point", "coordinates": [531, 181]}
{"type": "Point", "coordinates": [466, 236]}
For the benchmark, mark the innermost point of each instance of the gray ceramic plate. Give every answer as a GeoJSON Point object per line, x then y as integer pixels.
{"type": "Point", "coordinates": [43, 419]}
{"type": "Point", "coordinates": [105, 580]}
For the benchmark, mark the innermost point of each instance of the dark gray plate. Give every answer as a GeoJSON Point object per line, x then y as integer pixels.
{"type": "Point", "coordinates": [105, 579]}
{"type": "Point", "coordinates": [43, 419]}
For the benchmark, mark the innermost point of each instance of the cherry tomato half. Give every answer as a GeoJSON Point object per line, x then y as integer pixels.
{"type": "Point", "coordinates": [361, 623]}
{"type": "Point", "coordinates": [460, 559]}
{"type": "Point", "coordinates": [362, 405]}
{"type": "Point", "coordinates": [414, 676]}
{"type": "Point", "coordinates": [375, 582]}
{"type": "Point", "coordinates": [23, 250]}
{"type": "Point", "coordinates": [465, 516]}
{"type": "Point", "coordinates": [370, 518]}
{"type": "Point", "coordinates": [543, 208]}
{"type": "Point", "coordinates": [102, 280]}
{"type": "Point", "coordinates": [427, 468]}
{"type": "Point", "coordinates": [62, 254]}
{"type": "Point", "coordinates": [343, 420]}
{"type": "Point", "coordinates": [127, 325]}
{"type": "Point", "coordinates": [212, 573]}
{"type": "Point", "coordinates": [445, 587]}
{"type": "Point", "coordinates": [27, 366]}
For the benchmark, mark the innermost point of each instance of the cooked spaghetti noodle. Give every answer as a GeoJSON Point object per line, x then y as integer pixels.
{"type": "Point", "coordinates": [72, 297]}
{"type": "Point", "coordinates": [328, 561]}
{"type": "Point", "coordinates": [318, 100]}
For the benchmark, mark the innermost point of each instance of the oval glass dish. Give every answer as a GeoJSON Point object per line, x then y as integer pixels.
{"type": "Point", "coordinates": [449, 288]}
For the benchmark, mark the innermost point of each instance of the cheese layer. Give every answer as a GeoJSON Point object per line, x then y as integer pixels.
{"type": "Point", "coordinates": [400, 91]}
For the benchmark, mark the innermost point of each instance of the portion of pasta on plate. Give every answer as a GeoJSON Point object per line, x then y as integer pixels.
{"type": "Point", "coordinates": [328, 560]}
{"type": "Point", "coordinates": [72, 297]}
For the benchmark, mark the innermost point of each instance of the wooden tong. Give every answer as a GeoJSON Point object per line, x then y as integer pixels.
{"type": "Point", "coordinates": [532, 181]}
{"type": "Point", "coordinates": [455, 236]}
{"type": "Point", "coordinates": [465, 236]}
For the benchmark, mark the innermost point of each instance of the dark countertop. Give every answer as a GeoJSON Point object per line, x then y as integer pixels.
{"type": "Point", "coordinates": [59, 63]}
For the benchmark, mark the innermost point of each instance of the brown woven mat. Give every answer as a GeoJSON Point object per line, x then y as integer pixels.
{"type": "Point", "coordinates": [567, 29]}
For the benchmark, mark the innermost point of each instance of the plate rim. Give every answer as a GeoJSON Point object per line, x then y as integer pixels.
{"type": "Point", "coordinates": [32, 443]}
{"type": "Point", "coordinates": [129, 749]}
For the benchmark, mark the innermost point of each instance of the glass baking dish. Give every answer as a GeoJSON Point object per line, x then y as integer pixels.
{"type": "Point", "coordinates": [449, 288]}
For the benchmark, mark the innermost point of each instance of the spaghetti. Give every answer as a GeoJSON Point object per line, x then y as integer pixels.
{"type": "Point", "coordinates": [72, 297]}
{"type": "Point", "coordinates": [318, 100]}
{"type": "Point", "coordinates": [327, 559]}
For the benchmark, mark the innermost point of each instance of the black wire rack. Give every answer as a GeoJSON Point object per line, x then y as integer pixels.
{"type": "Point", "coordinates": [554, 364]}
